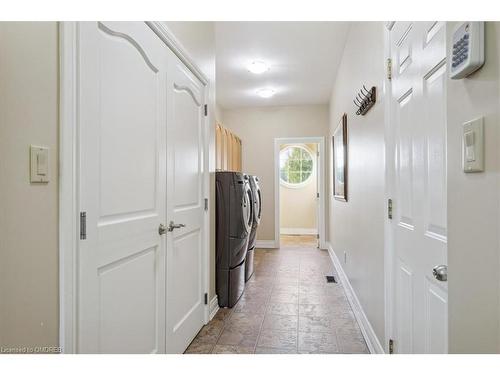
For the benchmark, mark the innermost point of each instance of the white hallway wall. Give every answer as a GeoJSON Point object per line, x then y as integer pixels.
{"type": "Point", "coordinates": [29, 272]}
{"type": "Point", "coordinates": [474, 209]}
{"type": "Point", "coordinates": [357, 226]}
{"type": "Point", "coordinates": [258, 127]}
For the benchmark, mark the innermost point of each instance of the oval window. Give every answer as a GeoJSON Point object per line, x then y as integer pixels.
{"type": "Point", "coordinates": [296, 165]}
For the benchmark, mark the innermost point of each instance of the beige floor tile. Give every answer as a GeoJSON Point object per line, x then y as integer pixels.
{"type": "Point", "coordinates": [277, 297]}
{"type": "Point", "coordinates": [278, 339]}
{"type": "Point", "coordinates": [317, 342]}
{"type": "Point", "coordinates": [255, 298]}
{"type": "Point", "coordinates": [199, 348]}
{"type": "Point", "coordinates": [222, 314]}
{"type": "Point", "coordinates": [350, 345]}
{"type": "Point", "coordinates": [319, 299]}
{"type": "Point", "coordinates": [238, 336]}
{"type": "Point", "coordinates": [280, 288]}
{"type": "Point", "coordinates": [210, 332]}
{"type": "Point", "coordinates": [283, 308]}
{"type": "Point", "coordinates": [324, 310]}
{"type": "Point", "coordinates": [287, 308]}
{"type": "Point", "coordinates": [245, 306]}
{"type": "Point", "coordinates": [316, 324]}
{"type": "Point", "coordinates": [245, 320]}
{"type": "Point", "coordinates": [264, 350]}
{"type": "Point", "coordinates": [232, 349]}
{"type": "Point", "coordinates": [280, 322]}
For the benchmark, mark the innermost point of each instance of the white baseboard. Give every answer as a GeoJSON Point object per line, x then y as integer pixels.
{"type": "Point", "coordinates": [299, 231]}
{"type": "Point", "coordinates": [364, 324]}
{"type": "Point", "coordinates": [214, 307]}
{"type": "Point", "coordinates": [265, 244]}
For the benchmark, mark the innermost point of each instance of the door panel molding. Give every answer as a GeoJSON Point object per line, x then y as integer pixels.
{"type": "Point", "coordinates": [131, 40]}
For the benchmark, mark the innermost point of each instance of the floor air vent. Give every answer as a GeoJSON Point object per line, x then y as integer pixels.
{"type": "Point", "coordinates": [331, 279]}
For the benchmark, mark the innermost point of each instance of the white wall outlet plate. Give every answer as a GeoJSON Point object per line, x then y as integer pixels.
{"type": "Point", "coordinates": [473, 146]}
{"type": "Point", "coordinates": [466, 49]}
{"type": "Point", "coordinates": [39, 164]}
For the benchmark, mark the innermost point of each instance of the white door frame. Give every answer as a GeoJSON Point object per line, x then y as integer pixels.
{"type": "Point", "coordinates": [321, 185]}
{"type": "Point", "coordinates": [69, 171]}
{"type": "Point", "coordinates": [389, 178]}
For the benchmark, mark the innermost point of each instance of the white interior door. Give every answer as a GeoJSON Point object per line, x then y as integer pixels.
{"type": "Point", "coordinates": [122, 118]}
{"type": "Point", "coordinates": [185, 206]}
{"type": "Point", "coordinates": [418, 118]}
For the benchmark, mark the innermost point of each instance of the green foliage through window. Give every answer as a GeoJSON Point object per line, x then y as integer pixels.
{"type": "Point", "coordinates": [296, 165]}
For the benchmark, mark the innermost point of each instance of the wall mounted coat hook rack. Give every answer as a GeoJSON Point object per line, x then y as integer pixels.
{"type": "Point", "coordinates": [365, 99]}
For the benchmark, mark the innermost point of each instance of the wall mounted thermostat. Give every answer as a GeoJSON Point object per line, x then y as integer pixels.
{"type": "Point", "coordinates": [473, 146]}
{"type": "Point", "coordinates": [467, 49]}
{"type": "Point", "coordinates": [39, 164]}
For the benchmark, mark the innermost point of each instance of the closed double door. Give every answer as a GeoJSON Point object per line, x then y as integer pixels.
{"type": "Point", "coordinates": [141, 192]}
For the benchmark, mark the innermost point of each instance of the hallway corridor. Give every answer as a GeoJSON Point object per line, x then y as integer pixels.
{"type": "Point", "coordinates": [287, 308]}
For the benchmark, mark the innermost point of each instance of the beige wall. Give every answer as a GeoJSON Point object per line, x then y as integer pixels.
{"type": "Point", "coordinates": [473, 209]}
{"type": "Point", "coordinates": [198, 38]}
{"type": "Point", "coordinates": [29, 220]}
{"type": "Point", "coordinates": [357, 226]}
{"type": "Point", "coordinates": [298, 205]}
{"type": "Point", "coordinates": [258, 127]}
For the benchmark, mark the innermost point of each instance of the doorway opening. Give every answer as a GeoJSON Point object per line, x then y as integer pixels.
{"type": "Point", "coordinates": [299, 215]}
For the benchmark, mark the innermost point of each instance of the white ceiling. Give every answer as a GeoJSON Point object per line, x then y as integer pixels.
{"type": "Point", "coordinates": [303, 59]}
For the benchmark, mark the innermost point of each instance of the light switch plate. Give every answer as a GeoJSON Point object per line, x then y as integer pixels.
{"type": "Point", "coordinates": [473, 146]}
{"type": "Point", "coordinates": [39, 164]}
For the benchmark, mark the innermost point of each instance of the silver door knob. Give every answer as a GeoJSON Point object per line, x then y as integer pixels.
{"type": "Point", "coordinates": [162, 229]}
{"type": "Point", "coordinates": [172, 226]}
{"type": "Point", "coordinates": [440, 272]}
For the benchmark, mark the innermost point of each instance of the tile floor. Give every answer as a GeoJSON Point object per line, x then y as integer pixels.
{"type": "Point", "coordinates": [287, 307]}
{"type": "Point", "coordinates": [298, 241]}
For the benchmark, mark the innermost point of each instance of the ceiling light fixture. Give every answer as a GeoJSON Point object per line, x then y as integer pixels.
{"type": "Point", "coordinates": [266, 93]}
{"type": "Point", "coordinates": [258, 67]}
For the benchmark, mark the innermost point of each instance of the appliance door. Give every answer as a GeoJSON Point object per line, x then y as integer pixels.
{"type": "Point", "coordinates": [247, 208]}
{"type": "Point", "coordinates": [257, 205]}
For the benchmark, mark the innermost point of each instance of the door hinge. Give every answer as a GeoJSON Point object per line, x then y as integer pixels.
{"type": "Point", "coordinates": [206, 110]}
{"type": "Point", "coordinates": [206, 204]}
{"type": "Point", "coordinates": [317, 236]}
{"type": "Point", "coordinates": [391, 346]}
{"type": "Point", "coordinates": [317, 195]}
{"type": "Point", "coordinates": [206, 298]}
{"type": "Point", "coordinates": [389, 208]}
{"type": "Point", "coordinates": [83, 225]}
{"type": "Point", "coordinates": [389, 69]}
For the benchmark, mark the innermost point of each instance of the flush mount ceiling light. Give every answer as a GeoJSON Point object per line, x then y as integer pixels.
{"type": "Point", "coordinates": [266, 93]}
{"type": "Point", "coordinates": [258, 67]}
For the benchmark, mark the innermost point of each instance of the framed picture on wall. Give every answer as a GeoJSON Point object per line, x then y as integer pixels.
{"type": "Point", "coordinates": [339, 143]}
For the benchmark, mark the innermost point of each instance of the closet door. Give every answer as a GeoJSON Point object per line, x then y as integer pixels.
{"type": "Point", "coordinates": [121, 109]}
{"type": "Point", "coordinates": [240, 168]}
{"type": "Point", "coordinates": [227, 150]}
{"type": "Point", "coordinates": [234, 153]}
{"type": "Point", "coordinates": [218, 147]}
{"type": "Point", "coordinates": [186, 245]}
